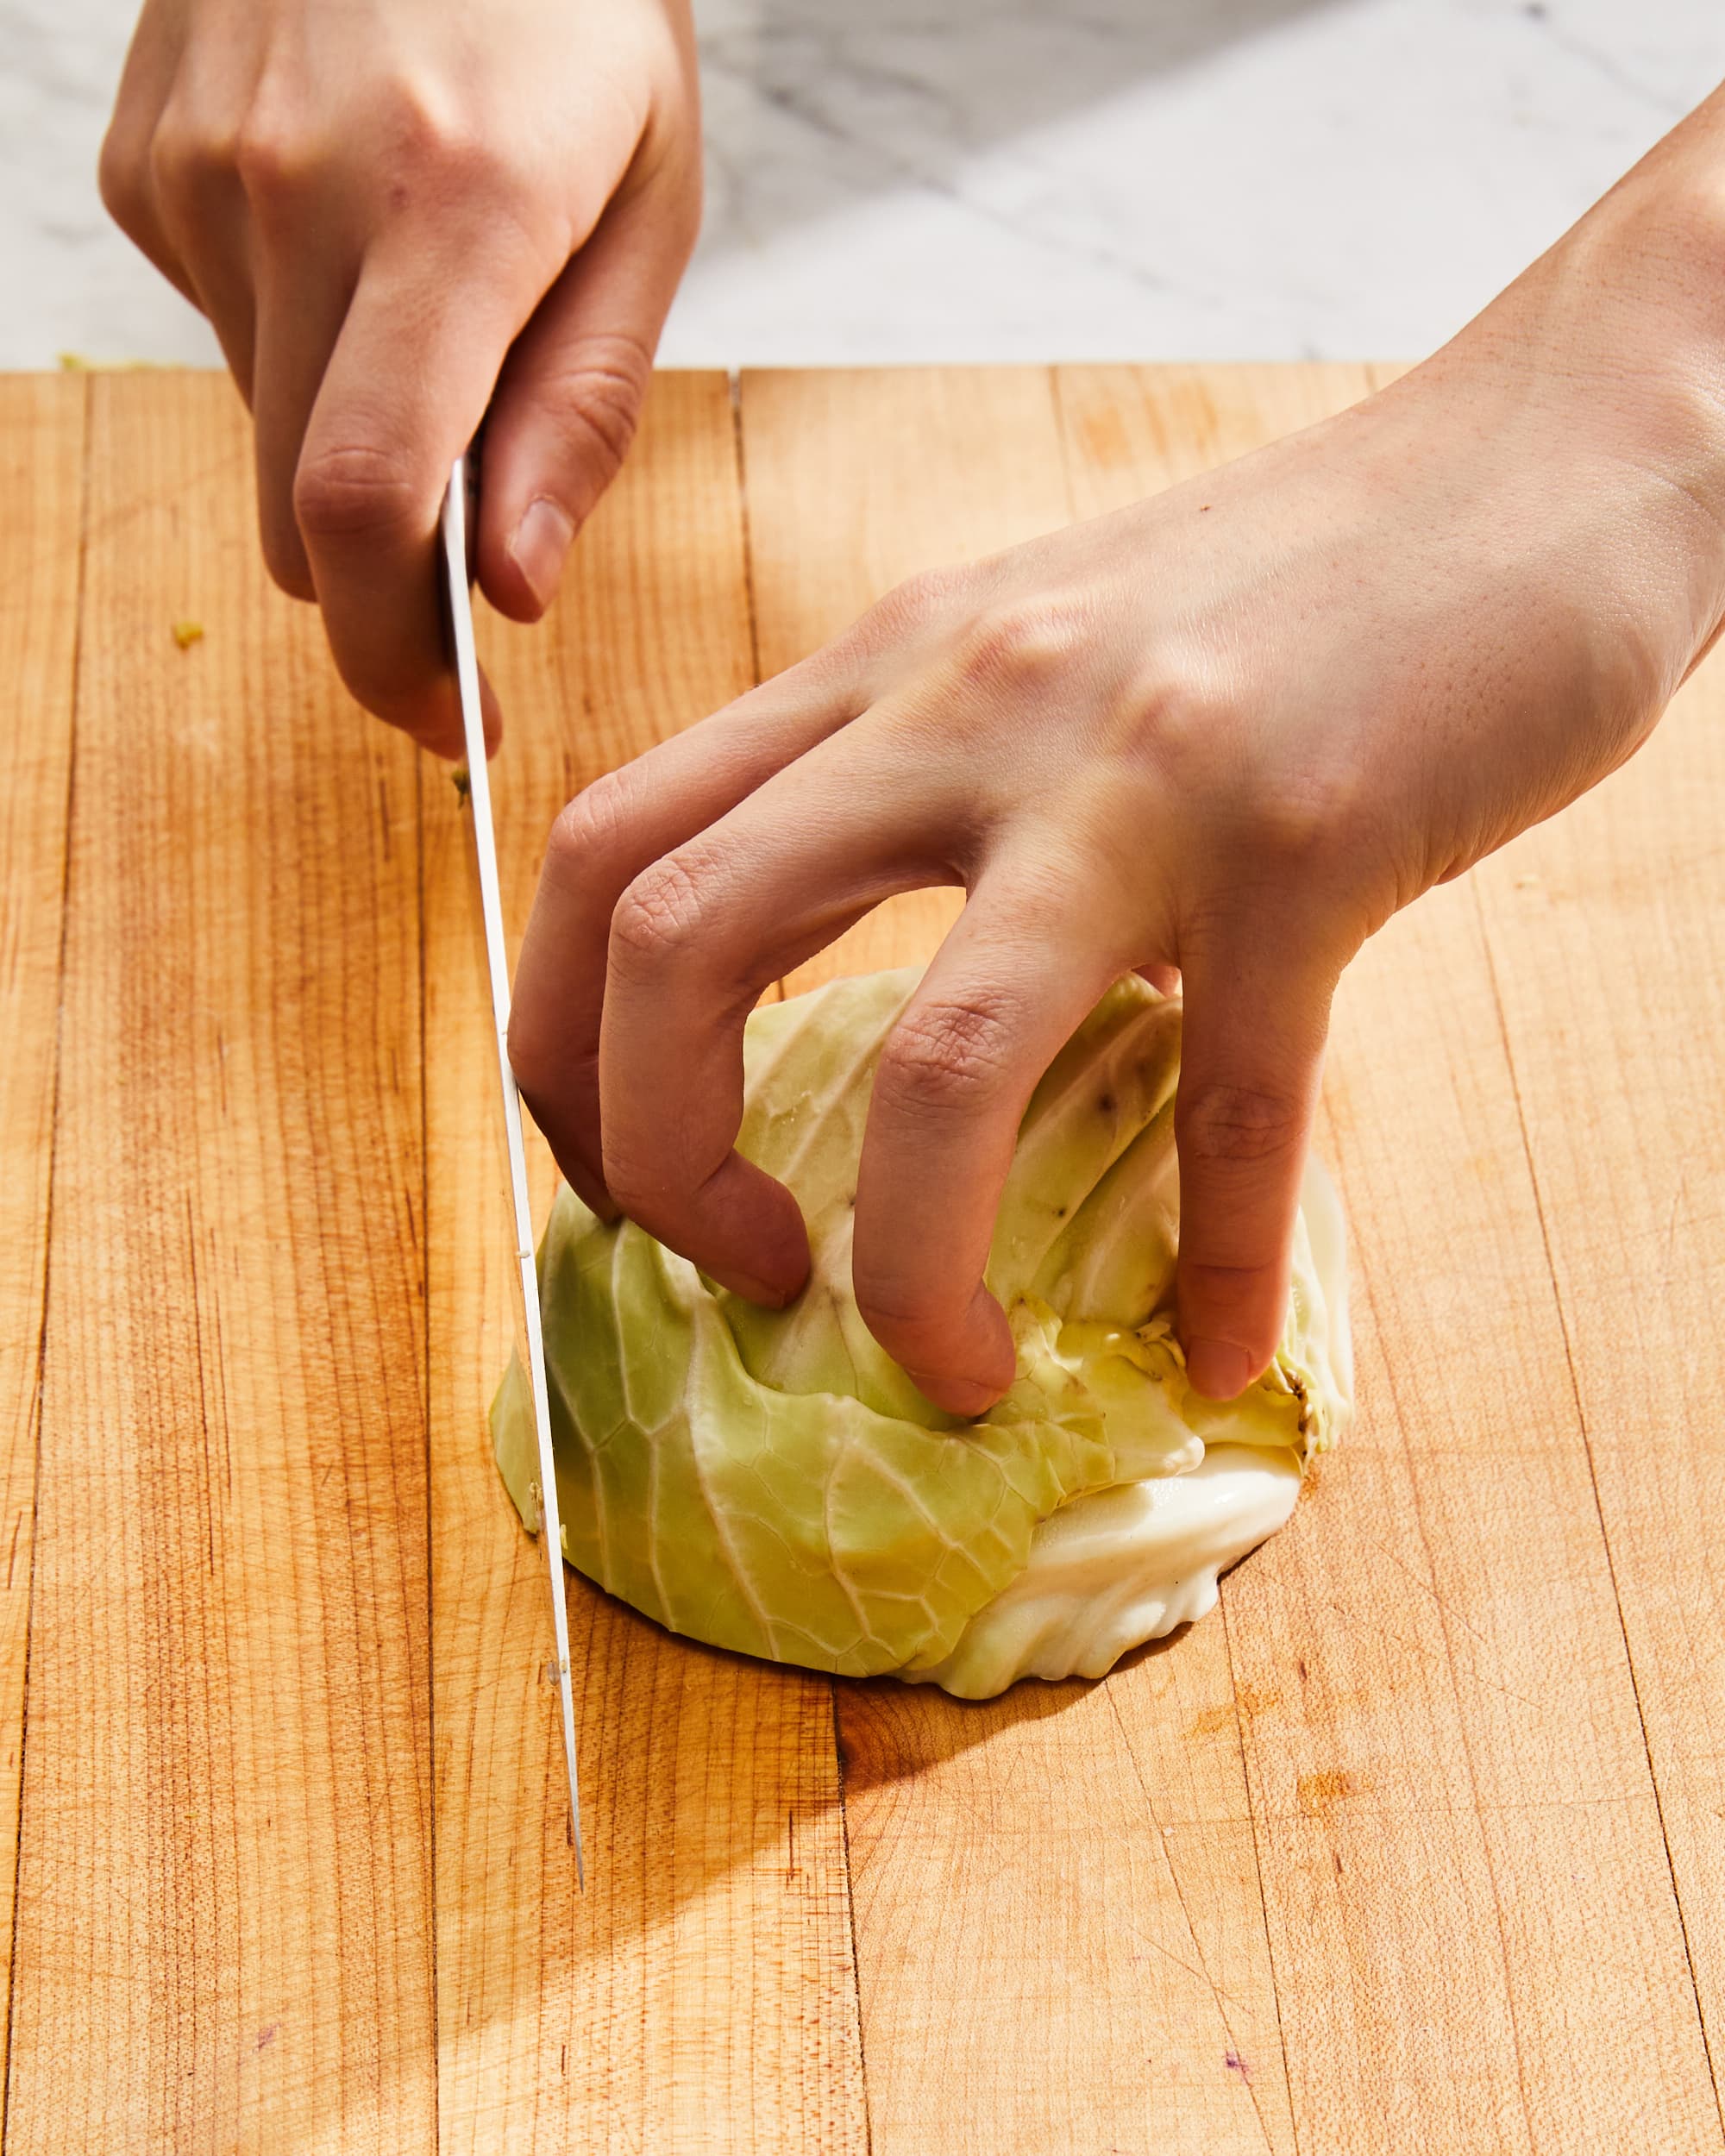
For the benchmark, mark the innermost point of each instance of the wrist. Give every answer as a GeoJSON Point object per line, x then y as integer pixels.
{"type": "Point", "coordinates": [1600, 376]}
{"type": "Point", "coordinates": [1642, 317]}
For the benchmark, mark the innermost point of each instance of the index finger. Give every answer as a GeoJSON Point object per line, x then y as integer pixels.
{"type": "Point", "coordinates": [601, 842]}
{"type": "Point", "coordinates": [407, 386]}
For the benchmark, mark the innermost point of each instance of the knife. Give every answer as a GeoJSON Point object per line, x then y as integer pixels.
{"type": "Point", "coordinates": [458, 506]}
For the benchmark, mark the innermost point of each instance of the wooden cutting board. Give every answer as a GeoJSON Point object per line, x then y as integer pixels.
{"type": "Point", "coordinates": [1417, 1845]}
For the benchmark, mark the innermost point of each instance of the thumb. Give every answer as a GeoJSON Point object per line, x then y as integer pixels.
{"type": "Point", "coordinates": [571, 391]}
{"type": "Point", "coordinates": [1250, 1063]}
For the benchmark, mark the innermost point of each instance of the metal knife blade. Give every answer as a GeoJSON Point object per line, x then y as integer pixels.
{"type": "Point", "coordinates": [457, 508]}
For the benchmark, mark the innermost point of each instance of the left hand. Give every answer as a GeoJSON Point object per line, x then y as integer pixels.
{"type": "Point", "coordinates": [1230, 730]}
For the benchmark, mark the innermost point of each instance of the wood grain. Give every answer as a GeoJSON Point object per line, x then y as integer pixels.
{"type": "Point", "coordinates": [41, 480]}
{"type": "Point", "coordinates": [1605, 930]}
{"type": "Point", "coordinates": [701, 1995]}
{"type": "Point", "coordinates": [1468, 1886]}
{"type": "Point", "coordinates": [223, 1920]}
{"type": "Point", "coordinates": [1060, 1935]}
{"type": "Point", "coordinates": [1380, 1859]}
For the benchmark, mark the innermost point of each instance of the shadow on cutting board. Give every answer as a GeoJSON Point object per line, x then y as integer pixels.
{"type": "Point", "coordinates": [732, 1810]}
{"type": "Point", "coordinates": [890, 1731]}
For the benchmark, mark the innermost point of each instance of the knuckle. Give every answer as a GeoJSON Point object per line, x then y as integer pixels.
{"type": "Point", "coordinates": [420, 124]}
{"type": "Point", "coordinates": [526, 1045]}
{"type": "Point", "coordinates": [444, 147]}
{"type": "Point", "coordinates": [1311, 814]}
{"type": "Point", "coordinates": [432, 150]}
{"type": "Point", "coordinates": [637, 1174]}
{"type": "Point", "coordinates": [638, 1180]}
{"type": "Point", "coordinates": [357, 491]}
{"type": "Point", "coordinates": [1227, 1125]}
{"type": "Point", "coordinates": [947, 1056]}
{"type": "Point", "coordinates": [891, 1308]}
{"type": "Point", "coordinates": [122, 177]}
{"type": "Point", "coordinates": [1233, 1286]}
{"type": "Point", "coordinates": [600, 390]}
{"type": "Point", "coordinates": [661, 918]}
{"type": "Point", "coordinates": [1023, 643]}
{"type": "Point", "coordinates": [467, 164]}
{"type": "Point", "coordinates": [1186, 715]}
{"type": "Point", "coordinates": [180, 165]}
{"type": "Point", "coordinates": [535, 1054]}
{"type": "Point", "coordinates": [1292, 805]}
{"type": "Point", "coordinates": [284, 560]}
{"type": "Point", "coordinates": [910, 1336]}
{"type": "Point", "coordinates": [920, 601]}
{"type": "Point", "coordinates": [274, 161]}
{"type": "Point", "coordinates": [624, 1179]}
{"type": "Point", "coordinates": [593, 827]}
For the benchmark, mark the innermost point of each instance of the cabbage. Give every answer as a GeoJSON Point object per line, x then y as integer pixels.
{"type": "Point", "coordinates": [771, 1482]}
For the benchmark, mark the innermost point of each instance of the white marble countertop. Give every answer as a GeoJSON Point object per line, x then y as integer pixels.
{"type": "Point", "coordinates": [992, 179]}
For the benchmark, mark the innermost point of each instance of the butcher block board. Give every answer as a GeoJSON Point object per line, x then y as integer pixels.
{"type": "Point", "coordinates": [1417, 1845]}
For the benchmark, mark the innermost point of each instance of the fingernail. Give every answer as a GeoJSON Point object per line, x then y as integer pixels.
{"type": "Point", "coordinates": [1217, 1368]}
{"type": "Point", "coordinates": [541, 541]}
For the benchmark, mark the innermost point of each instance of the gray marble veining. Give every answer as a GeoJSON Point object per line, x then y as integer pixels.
{"type": "Point", "coordinates": [944, 179]}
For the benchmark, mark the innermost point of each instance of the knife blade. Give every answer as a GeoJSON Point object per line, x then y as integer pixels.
{"type": "Point", "coordinates": [458, 502]}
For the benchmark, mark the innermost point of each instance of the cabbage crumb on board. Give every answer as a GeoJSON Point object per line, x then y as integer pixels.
{"type": "Point", "coordinates": [771, 1482]}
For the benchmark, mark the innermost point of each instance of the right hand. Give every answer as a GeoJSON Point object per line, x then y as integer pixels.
{"type": "Point", "coordinates": [398, 214]}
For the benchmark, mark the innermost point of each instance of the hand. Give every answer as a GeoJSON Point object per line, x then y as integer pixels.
{"type": "Point", "coordinates": [1231, 730]}
{"type": "Point", "coordinates": [395, 213]}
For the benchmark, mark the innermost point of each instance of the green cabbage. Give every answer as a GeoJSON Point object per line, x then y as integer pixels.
{"type": "Point", "coordinates": [771, 1482]}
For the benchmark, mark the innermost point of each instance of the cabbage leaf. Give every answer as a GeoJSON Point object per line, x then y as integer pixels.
{"type": "Point", "coordinates": [771, 1482]}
